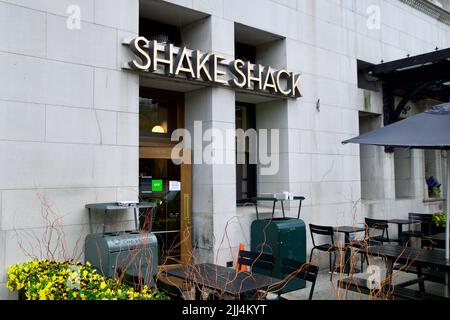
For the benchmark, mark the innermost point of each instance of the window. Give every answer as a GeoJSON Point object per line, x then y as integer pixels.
{"type": "Point", "coordinates": [156, 118]}
{"type": "Point", "coordinates": [245, 52]}
{"type": "Point", "coordinates": [245, 173]}
{"type": "Point", "coordinates": [433, 171]}
{"type": "Point", "coordinates": [158, 113]}
{"type": "Point", "coordinates": [161, 32]}
{"type": "Point", "coordinates": [404, 174]}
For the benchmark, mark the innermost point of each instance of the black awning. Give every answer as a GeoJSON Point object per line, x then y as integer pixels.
{"type": "Point", "coordinates": [426, 75]}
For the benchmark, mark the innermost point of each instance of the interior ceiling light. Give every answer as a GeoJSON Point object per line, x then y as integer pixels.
{"type": "Point", "coordinates": [158, 129]}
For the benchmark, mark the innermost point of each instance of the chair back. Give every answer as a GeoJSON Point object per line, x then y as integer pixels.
{"type": "Point", "coordinates": [377, 224]}
{"type": "Point", "coordinates": [257, 260]}
{"type": "Point", "coordinates": [424, 219]}
{"type": "Point", "coordinates": [321, 230]}
{"type": "Point", "coordinates": [304, 271]}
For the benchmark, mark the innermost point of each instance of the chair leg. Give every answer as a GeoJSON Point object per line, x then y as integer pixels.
{"type": "Point", "coordinates": [334, 264]}
{"type": "Point", "coordinates": [362, 261]}
{"type": "Point", "coordinates": [311, 255]}
{"type": "Point", "coordinates": [329, 256]}
{"type": "Point", "coordinates": [311, 292]}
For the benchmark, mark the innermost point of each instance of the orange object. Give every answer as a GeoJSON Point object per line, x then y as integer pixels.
{"type": "Point", "coordinates": [238, 266]}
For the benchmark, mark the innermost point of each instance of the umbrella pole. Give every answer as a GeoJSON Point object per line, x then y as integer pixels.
{"type": "Point", "coordinates": [447, 211]}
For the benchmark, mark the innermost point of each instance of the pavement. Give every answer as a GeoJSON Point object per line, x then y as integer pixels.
{"type": "Point", "coordinates": [328, 290]}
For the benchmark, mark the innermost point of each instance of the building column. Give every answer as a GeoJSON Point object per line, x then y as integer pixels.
{"type": "Point", "coordinates": [213, 158]}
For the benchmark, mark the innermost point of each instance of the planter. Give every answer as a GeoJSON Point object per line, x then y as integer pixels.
{"type": "Point", "coordinates": [435, 229]}
{"type": "Point", "coordinates": [434, 193]}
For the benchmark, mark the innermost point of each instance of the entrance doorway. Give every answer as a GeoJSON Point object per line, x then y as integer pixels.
{"type": "Point", "coordinates": [161, 180]}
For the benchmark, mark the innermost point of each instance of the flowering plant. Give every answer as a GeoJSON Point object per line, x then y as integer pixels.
{"type": "Point", "coordinates": [439, 219]}
{"type": "Point", "coordinates": [433, 187]}
{"type": "Point", "coordinates": [57, 280]}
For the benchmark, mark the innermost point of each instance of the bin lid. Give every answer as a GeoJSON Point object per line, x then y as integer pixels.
{"type": "Point", "coordinates": [130, 240]}
{"type": "Point", "coordinates": [285, 223]}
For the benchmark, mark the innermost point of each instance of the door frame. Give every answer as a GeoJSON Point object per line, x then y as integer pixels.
{"type": "Point", "coordinates": [161, 148]}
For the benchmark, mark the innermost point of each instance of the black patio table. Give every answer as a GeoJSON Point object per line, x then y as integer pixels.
{"type": "Point", "coordinates": [408, 257]}
{"type": "Point", "coordinates": [346, 230]}
{"type": "Point", "coordinates": [400, 223]}
{"type": "Point", "coordinates": [223, 280]}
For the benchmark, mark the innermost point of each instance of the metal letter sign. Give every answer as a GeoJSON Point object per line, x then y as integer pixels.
{"type": "Point", "coordinates": [210, 67]}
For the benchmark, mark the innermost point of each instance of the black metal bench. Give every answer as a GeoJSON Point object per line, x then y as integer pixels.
{"type": "Point", "coordinates": [411, 294]}
{"type": "Point", "coordinates": [388, 292]}
{"type": "Point", "coordinates": [432, 275]}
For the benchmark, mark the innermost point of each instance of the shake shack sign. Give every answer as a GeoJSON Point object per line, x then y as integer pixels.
{"type": "Point", "coordinates": [168, 60]}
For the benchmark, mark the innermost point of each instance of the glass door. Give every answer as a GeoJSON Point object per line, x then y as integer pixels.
{"type": "Point", "coordinates": [161, 181]}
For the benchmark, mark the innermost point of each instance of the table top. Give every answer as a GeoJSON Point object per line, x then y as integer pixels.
{"type": "Point", "coordinates": [268, 198]}
{"type": "Point", "coordinates": [226, 280]}
{"type": "Point", "coordinates": [411, 255]}
{"type": "Point", "coordinates": [116, 206]}
{"type": "Point", "coordinates": [348, 229]}
{"type": "Point", "coordinates": [399, 221]}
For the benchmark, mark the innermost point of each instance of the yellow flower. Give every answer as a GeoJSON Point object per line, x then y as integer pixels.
{"type": "Point", "coordinates": [42, 295]}
{"type": "Point", "coordinates": [103, 285]}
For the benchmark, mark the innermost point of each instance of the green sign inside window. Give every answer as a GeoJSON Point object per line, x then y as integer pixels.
{"type": "Point", "coordinates": [157, 185]}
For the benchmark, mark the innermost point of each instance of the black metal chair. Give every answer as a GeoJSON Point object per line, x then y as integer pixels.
{"type": "Point", "coordinates": [257, 262]}
{"type": "Point", "coordinates": [295, 269]}
{"type": "Point", "coordinates": [170, 290]}
{"type": "Point", "coordinates": [424, 219]}
{"type": "Point", "coordinates": [263, 261]}
{"type": "Point", "coordinates": [327, 247]}
{"type": "Point", "coordinates": [370, 239]}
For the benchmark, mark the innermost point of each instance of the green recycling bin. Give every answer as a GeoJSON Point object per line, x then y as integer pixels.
{"type": "Point", "coordinates": [282, 238]}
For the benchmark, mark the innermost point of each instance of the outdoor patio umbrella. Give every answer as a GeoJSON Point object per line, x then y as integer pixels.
{"type": "Point", "coordinates": [427, 130]}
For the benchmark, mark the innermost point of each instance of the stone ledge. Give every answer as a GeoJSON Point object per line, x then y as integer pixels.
{"type": "Point", "coordinates": [430, 9]}
{"type": "Point", "coordinates": [432, 200]}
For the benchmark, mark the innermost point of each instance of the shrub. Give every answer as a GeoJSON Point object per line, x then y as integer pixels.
{"type": "Point", "coordinates": [57, 280]}
{"type": "Point", "coordinates": [439, 219]}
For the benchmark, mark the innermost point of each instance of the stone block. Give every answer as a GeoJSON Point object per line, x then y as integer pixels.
{"type": "Point", "coordinates": [119, 14]}
{"type": "Point", "coordinates": [22, 121]}
{"type": "Point", "coordinates": [40, 81]}
{"type": "Point", "coordinates": [92, 44]}
{"type": "Point", "coordinates": [22, 30]}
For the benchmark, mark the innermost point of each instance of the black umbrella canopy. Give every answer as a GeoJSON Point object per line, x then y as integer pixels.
{"type": "Point", "coordinates": [427, 130]}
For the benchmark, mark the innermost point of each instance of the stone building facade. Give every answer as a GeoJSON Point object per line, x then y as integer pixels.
{"type": "Point", "coordinates": [69, 114]}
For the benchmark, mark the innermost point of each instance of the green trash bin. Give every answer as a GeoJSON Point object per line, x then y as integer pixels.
{"type": "Point", "coordinates": [282, 238]}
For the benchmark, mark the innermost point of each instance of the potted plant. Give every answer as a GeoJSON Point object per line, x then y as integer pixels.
{"type": "Point", "coordinates": [438, 222]}
{"type": "Point", "coordinates": [434, 187]}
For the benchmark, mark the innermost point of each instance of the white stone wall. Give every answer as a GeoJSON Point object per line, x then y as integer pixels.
{"type": "Point", "coordinates": [69, 113]}
{"type": "Point", "coordinates": [68, 123]}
